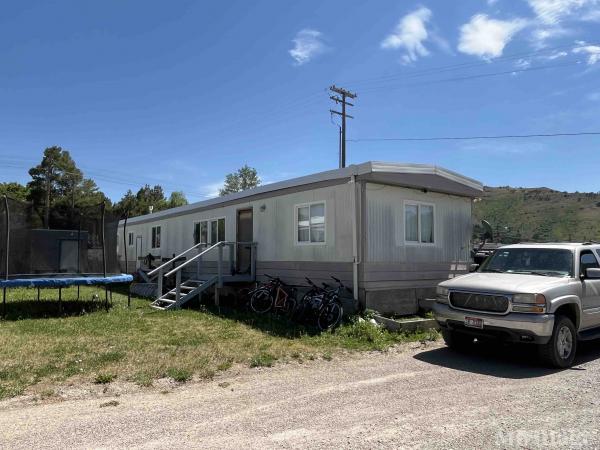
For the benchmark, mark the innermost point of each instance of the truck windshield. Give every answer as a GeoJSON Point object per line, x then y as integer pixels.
{"type": "Point", "coordinates": [535, 261]}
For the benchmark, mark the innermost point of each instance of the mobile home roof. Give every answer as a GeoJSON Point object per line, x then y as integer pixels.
{"type": "Point", "coordinates": [419, 176]}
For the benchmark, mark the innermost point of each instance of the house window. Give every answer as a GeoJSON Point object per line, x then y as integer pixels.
{"type": "Point", "coordinates": [217, 230]}
{"type": "Point", "coordinates": [419, 223]}
{"type": "Point", "coordinates": [130, 239]}
{"type": "Point", "coordinates": [201, 232]}
{"type": "Point", "coordinates": [310, 223]}
{"type": "Point", "coordinates": [156, 237]}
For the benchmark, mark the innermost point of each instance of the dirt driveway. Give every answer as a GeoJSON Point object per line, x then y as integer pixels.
{"type": "Point", "coordinates": [412, 396]}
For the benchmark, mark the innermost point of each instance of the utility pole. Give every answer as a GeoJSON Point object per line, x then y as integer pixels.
{"type": "Point", "coordinates": [342, 100]}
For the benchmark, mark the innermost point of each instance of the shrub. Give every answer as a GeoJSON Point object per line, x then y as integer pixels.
{"type": "Point", "coordinates": [104, 378]}
{"type": "Point", "coordinates": [178, 374]}
{"type": "Point", "coordinates": [263, 359]}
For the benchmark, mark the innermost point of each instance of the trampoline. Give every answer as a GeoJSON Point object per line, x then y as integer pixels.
{"type": "Point", "coordinates": [58, 248]}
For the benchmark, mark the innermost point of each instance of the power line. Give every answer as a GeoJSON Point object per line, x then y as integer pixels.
{"type": "Point", "coordinates": [472, 77]}
{"type": "Point", "coordinates": [468, 138]}
{"type": "Point", "coordinates": [460, 66]}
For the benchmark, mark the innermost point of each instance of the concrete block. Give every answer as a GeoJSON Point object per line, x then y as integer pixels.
{"type": "Point", "coordinates": [393, 301]}
{"type": "Point", "coordinates": [406, 326]}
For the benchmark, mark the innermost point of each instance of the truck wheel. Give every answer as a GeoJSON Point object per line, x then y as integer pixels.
{"type": "Point", "coordinates": [560, 350]}
{"type": "Point", "coordinates": [456, 341]}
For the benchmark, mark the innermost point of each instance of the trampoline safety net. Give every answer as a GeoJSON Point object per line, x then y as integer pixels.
{"type": "Point", "coordinates": [80, 241]}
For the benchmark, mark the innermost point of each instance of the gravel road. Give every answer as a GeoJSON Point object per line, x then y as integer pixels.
{"type": "Point", "coordinates": [412, 396]}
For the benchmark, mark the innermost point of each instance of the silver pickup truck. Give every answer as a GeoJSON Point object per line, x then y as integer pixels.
{"type": "Point", "coordinates": [544, 294]}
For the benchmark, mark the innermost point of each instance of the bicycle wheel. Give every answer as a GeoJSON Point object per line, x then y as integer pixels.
{"type": "Point", "coordinates": [289, 307]}
{"type": "Point", "coordinates": [330, 316]}
{"type": "Point", "coordinates": [261, 301]}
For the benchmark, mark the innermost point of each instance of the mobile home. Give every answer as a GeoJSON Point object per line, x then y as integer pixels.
{"type": "Point", "coordinates": [390, 231]}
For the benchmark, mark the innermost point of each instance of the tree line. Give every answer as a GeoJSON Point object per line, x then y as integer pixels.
{"type": "Point", "coordinates": [58, 188]}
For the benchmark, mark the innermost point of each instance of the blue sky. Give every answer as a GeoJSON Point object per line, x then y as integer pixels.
{"type": "Point", "coordinates": [181, 93]}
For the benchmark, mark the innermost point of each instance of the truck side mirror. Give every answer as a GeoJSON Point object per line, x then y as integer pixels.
{"type": "Point", "coordinates": [592, 274]}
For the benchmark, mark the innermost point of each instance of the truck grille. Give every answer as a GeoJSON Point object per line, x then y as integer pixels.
{"type": "Point", "coordinates": [479, 302]}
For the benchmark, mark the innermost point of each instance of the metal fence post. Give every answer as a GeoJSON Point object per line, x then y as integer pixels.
{"type": "Point", "coordinates": [220, 267]}
{"type": "Point", "coordinates": [231, 262]}
{"type": "Point", "coordinates": [198, 263]}
{"type": "Point", "coordinates": [177, 286]}
{"type": "Point", "coordinates": [253, 261]}
{"type": "Point", "coordinates": [160, 283]}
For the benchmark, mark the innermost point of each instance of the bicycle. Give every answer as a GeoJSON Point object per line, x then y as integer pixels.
{"type": "Point", "coordinates": [272, 296]}
{"type": "Point", "coordinates": [323, 305]}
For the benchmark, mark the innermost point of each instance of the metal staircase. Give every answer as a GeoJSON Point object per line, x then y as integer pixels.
{"type": "Point", "coordinates": [186, 290]}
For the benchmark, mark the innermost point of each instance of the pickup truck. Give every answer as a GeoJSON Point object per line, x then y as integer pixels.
{"type": "Point", "coordinates": [542, 294]}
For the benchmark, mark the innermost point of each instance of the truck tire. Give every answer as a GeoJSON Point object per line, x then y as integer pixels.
{"type": "Point", "coordinates": [455, 340]}
{"type": "Point", "coordinates": [560, 350]}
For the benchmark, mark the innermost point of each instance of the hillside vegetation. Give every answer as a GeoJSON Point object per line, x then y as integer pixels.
{"type": "Point", "coordinates": [539, 214]}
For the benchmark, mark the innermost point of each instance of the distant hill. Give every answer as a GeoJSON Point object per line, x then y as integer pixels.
{"type": "Point", "coordinates": [539, 214]}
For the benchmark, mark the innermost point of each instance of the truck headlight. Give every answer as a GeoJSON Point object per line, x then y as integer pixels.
{"type": "Point", "coordinates": [441, 294]}
{"type": "Point", "coordinates": [529, 303]}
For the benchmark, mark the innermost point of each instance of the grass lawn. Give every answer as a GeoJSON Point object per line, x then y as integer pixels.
{"type": "Point", "coordinates": [85, 342]}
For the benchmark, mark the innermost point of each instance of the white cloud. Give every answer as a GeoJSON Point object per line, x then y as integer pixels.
{"type": "Point", "coordinates": [307, 44]}
{"type": "Point", "coordinates": [555, 55]}
{"type": "Point", "coordinates": [522, 63]}
{"type": "Point", "coordinates": [594, 96]}
{"type": "Point", "coordinates": [553, 11]}
{"type": "Point", "coordinates": [485, 37]}
{"type": "Point", "coordinates": [211, 190]}
{"type": "Point", "coordinates": [410, 34]}
{"type": "Point", "coordinates": [591, 51]}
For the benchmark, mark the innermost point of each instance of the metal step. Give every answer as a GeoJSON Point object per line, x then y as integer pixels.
{"type": "Point", "coordinates": [188, 289]}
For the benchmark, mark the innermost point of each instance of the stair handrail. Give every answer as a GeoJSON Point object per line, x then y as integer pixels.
{"type": "Point", "coordinates": [199, 255]}
{"type": "Point", "coordinates": [172, 260]}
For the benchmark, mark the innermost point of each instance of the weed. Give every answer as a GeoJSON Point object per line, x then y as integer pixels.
{"type": "Point", "coordinates": [104, 378]}
{"type": "Point", "coordinates": [262, 359]}
{"type": "Point", "coordinates": [178, 374]}
{"type": "Point", "coordinates": [109, 403]}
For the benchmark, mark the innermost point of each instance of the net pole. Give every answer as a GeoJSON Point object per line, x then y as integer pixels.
{"type": "Point", "coordinates": [7, 235]}
{"type": "Point", "coordinates": [103, 209]}
{"type": "Point", "coordinates": [79, 252]}
{"type": "Point", "coordinates": [7, 252]}
{"type": "Point", "coordinates": [79, 246]}
{"type": "Point", "coordinates": [125, 243]}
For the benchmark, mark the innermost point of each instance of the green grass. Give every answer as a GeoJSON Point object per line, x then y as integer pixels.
{"type": "Point", "coordinates": [86, 343]}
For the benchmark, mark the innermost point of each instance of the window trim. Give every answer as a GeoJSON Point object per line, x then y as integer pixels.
{"type": "Point", "coordinates": [152, 237]}
{"type": "Point", "coordinates": [295, 222]}
{"type": "Point", "coordinates": [196, 222]}
{"type": "Point", "coordinates": [418, 204]}
{"type": "Point", "coordinates": [209, 222]}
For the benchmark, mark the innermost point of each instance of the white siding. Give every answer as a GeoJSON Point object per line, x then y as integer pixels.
{"type": "Point", "coordinates": [274, 227]}
{"type": "Point", "coordinates": [385, 226]}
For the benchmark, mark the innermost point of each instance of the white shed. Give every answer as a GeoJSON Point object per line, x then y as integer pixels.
{"type": "Point", "coordinates": [391, 231]}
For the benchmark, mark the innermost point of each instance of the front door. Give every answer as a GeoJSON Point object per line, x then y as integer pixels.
{"type": "Point", "coordinates": [590, 298]}
{"type": "Point", "coordinates": [245, 236]}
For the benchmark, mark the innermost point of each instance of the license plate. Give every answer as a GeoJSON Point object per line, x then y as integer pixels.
{"type": "Point", "coordinates": [473, 322]}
